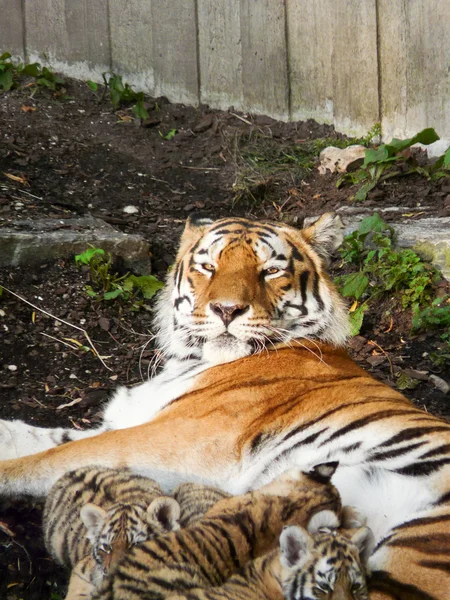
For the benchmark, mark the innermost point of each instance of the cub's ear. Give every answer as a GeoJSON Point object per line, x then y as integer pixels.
{"type": "Point", "coordinates": [324, 471]}
{"type": "Point", "coordinates": [166, 511]}
{"type": "Point", "coordinates": [93, 517]}
{"type": "Point", "coordinates": [295, 543]}
{"type": "Point", "coordinates": [326, 234]}
{"type": "Point", "coordinates": [323, 518]}
{"type": "Point", "coordinates": [364, 540]}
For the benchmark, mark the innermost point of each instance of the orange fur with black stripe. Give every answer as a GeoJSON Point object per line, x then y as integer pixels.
{"type": "Point", "coordinates": [255, 383]}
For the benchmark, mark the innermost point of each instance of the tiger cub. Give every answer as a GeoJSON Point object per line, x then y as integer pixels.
{"type": "Point", "coordinates": [317, 563]}
{"type": "Point", "coordinates": [94, 514]}
{"type": "Point", "coordinates": [195, 500]}
{"type": "Point", "coordinates": [235, 530]}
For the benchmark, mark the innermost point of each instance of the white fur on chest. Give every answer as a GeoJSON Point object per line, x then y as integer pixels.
{"type": "Point", "coordinates": [138, 405]}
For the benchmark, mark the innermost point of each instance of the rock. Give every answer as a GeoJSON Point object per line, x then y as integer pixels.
{"type": "Point", "coordinates": [204, 124]}
{"type": "Point", "coordinates": [130, 209]}
{"type": "Point", "coordinates": [414, 374]}
{"type": "Point", "coordinates": [32, 242]}
{"type": "Point", "coordinates": [440, 384]}
{"type": "Point", "coordinates": [429, 237]}
{"type": "Point", "coordinates": [341, 160]}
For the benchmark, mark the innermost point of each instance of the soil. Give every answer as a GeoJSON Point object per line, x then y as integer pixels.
{"type": "Point", "coordinates": [77, 156]}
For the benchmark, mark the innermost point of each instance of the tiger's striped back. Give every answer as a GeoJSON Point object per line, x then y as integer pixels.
{"type": "Point", "coordinates": [196, 500]}
{"type": "Point", "coordinates": [100, 512]}
{"type": "Point", "coordinates": [236, 530]}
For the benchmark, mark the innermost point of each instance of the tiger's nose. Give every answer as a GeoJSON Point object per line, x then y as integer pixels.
{"type": "Point", "coordinates": [228, 312]}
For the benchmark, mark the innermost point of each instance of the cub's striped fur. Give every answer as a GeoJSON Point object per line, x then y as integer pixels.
{"type": "Point", "coordinates": [233, 532]}
{"type": "Point", "coordinates": [93, 515]}
{"type": "Point", "coordinates": [318, 564]}
{"type": "Point", "coordinates": [196, 500]}
{"type": "Point", "coordinates": [254, 384]}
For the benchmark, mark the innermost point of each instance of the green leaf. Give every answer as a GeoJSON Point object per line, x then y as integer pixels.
{"type": "Point", "coordinates": [147, 284]}
{"type": "Point", "coordinates": [92, 85]}
{"type": "Point", "coordinates": [46, 83]}
{"type": "Point", "coordinates": [5, 56]}
{"type": "Point", "coordinates": [85, 257]}
{"type": "Point", "coordinates": [33, 70]}
{"type": "Point", "coordinates": [115, 97]}
{"type": "Point", "coordinates": [447, 159]}
{"type": "Point", "coordinates": [354, 285]}
{"type": "Point", "coordinates": [356, 319]}
{"type": "Point", "coordinates": [140, 110]}
{"type": "Point", "coordinates": [169, 135]}
{"type": "Point", "coordinates": [426, 137]}
{"type": "Point", "coordinates": [361, 194]}
{"type": "Point", "coordinates": [375, 156]}
{"type": "Point", "coordinates": [114, 294]}
{"type": "Point", "coordinates": [6, 80]}
{"type": "Point", "coordinates": [373, 223]}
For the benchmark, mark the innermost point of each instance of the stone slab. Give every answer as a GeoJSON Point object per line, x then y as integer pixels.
{"type": "Point", "coordinates": [355, 66]}
{"type": "Point", "coordinates": [175, 60]}
{"type": "Point", "coordinates": [131, 25]}
{"type": "Point", "coordinates": [30, 242]}
{"type": "Point", "coordinates": [429, 237]}
{"type": "Point", "coordinates": [11, 28]}
{"type": "Point", "coordinates": [220, 54]}
{"type": "Point", "coordinates": [264, 51]}
{"type": "Point", "coordinates": [71, 36]}
{"type": "Point", "coordinates": [310, 54]}
{"type": "Point", "coordinates": [414, 50]}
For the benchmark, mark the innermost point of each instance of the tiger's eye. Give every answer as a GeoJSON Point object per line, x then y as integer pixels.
{"type": "Point", "coordinates": [208, 267]}
{"type": "Point", "coordinates": [105, 548]}
{"type": "Point", "coordinates": [272, 270]}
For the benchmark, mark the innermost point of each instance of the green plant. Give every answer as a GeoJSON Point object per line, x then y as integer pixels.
{"type": "Point", "coordinates": [436, 316]}
{"type": "Point", "coordinates": [10, 74]}
{"type": "Point", "coordinates": [382, 269]}
{"type": "Point", "coordinates": [169, 136]}
{"type": "Point", "coordinates": [110, 286]}
{"type": "Point", "coordinates": [390, 160]}
{"type": "Point", "coordinates": [122, 93]}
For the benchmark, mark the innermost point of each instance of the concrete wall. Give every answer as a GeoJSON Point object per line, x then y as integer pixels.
{"type": "Point", "coordinates": [351, 63]}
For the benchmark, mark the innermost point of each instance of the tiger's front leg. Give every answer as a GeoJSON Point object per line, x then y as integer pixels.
{"type": "Point", "coordinates": [147, 450]}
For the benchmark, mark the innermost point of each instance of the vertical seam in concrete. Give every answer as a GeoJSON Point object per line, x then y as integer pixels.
{"type": "Point", "coordinates": [197, 51]}
{"type": "Point", "coordinates": [24, 32]}
{"type": "Point", "coordinates": [379, 75]}
{"type": "Point", "coordinates": [288, 60]}
{"type": "Point", "coordinates": [108, 17]}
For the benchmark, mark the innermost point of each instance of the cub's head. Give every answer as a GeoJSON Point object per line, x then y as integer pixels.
{"type": "Point", "coordinates": [114, 531]}
{"type": "Point", "coordinates": [324, 563]}
{"type": "Point", "coordinates": [239, 286]}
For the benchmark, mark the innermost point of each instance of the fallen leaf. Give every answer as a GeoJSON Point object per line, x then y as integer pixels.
{"type": "Point", "coordinates": [4, 527]}
{"type": "Point", "coordinates": [27, 109]}
{"type": "Point", "coordinates": [76, 401]}
{"type": "Point", "coordinates": [16, 178]}
{"type": "Point", "coordinates": [114, 377]}
{"type": "Point", "coordinates": [353, 307]}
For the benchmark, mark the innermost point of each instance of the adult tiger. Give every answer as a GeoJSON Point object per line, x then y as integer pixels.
{"type": "Point", "coordinates": [255, 383]}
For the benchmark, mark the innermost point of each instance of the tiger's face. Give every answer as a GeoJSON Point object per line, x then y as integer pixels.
{"type": "Point", "coordinates": [240, 286]}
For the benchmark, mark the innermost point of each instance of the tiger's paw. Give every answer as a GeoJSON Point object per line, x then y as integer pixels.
{"type": "Point", "coordinates": [20, 439]}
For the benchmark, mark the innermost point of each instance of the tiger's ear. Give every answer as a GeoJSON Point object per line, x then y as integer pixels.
{"type": "Point", "coordinates": [194, 229]}
{"type": "Point", "coordinates": [93, 517]}
{"type": "Point", "coordinates": [166, 511]}
{"type": "Point", "coordinates": [295, 543]}
{"type": "Point", "coordinates": [323, 472]}
{"type": "Point", "coordinates": [323, 518]}
{"type": "Point", "coordinates": [364, 540]}
{"type": "Point", "coordinates": [326, 234]}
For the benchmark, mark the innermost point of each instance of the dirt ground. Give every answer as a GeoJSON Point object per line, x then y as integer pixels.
{"type": "Point", "coordinates": [78, 156]}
